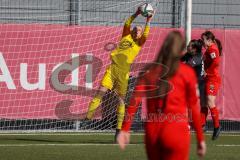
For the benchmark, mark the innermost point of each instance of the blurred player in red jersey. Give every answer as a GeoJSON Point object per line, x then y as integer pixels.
{"type": "Point", "coordinates": [170, 90]}
{"type": "Point", "coordinates": [212, 79]}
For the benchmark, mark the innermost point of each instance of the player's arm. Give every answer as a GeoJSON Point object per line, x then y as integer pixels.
{"type": "Point", "coordinates": [213, 54]}
{"type": "Point", "coordinates": [194, 108]}
{"type": "Point", "coordinates": [128, 22]}
{"type": "Point", "coordinates": [143, 39]}
{"type": "Point", "coordinates": [193, 103]}
{"type": "Point", "coordinates": [214, 60]}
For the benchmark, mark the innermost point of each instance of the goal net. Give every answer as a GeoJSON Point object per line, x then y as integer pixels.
{"type": "Point", "coordinates": [53, 55]}
{"type": "Point", "coordinates": [39, 38]}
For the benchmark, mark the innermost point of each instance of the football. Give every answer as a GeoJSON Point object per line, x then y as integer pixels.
{"type": "Point", "coordinates": [146, 10]}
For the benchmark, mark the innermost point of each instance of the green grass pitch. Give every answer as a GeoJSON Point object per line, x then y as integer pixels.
{"type": "Point", "coordinates": [99, 146]}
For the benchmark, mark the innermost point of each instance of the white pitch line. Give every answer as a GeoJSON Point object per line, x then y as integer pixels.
{"type": "Point", "coordinates": [84, 144]}
{"type": "Point", "coordinates": [92, 144]}
{"type": "Point", "coordinates": [228, 145]}
{"type": "Point", "coordinates": [225, 135]}
{"type": "Point", "coordinates": [64, 134]}
{"type": "Point", "coordinates": [90, 134]}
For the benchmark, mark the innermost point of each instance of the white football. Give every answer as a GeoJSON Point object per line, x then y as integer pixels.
{"type": "Point", "coordinates": [146, 10]}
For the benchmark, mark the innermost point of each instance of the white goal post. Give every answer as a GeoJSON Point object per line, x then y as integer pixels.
{"type": "Point", "coordinates": [188, 20]}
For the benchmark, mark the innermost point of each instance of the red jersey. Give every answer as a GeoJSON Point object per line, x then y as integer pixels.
{"type": "Point", "coordinates": [212, 63]}
{"type": "Point", "coordinates": [181, 98]}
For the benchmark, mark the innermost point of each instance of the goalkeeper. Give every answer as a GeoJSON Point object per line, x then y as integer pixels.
{"type": "Point", "coordinates": [117, 74]}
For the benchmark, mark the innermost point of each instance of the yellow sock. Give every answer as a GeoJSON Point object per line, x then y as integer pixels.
{"type": "Point", "coordinates": [120, 115]}
{"type": "Point", "coordinates": [93, 106]}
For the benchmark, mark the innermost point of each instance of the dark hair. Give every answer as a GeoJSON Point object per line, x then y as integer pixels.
{"type": "Point", "coordinates": [197, 44]}
{"type": "Point", "coordinates": [211, 36]}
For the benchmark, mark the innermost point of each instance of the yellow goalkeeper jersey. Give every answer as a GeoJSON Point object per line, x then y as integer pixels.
{"type": "Point", "coordinates": [127, 49]}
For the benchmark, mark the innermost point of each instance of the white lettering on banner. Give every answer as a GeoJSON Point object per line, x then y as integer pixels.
{"type": "Point", "coordinates": [41, 83]}
{"type": "Point", "coordinates": [75, 62]}
{"type": "Point", "coordinates": [6, 76]}
{"type": "Point", "coordinates": [74, 76]}
{"type": "Point", "coordinates": [89, 84]}
{"type": "Point", "coordinates": [41, 77]}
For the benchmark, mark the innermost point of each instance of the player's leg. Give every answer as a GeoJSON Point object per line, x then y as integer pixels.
{"type": "Point", "coordinates": [107, 83]}
{"type": "Point", "coordinates": [121, 89]}
{"type": "Point", "coordinates": [212, 90]}
{"type": "Point", "coordinates": [175, 146]}
{"type": "Point", "coordinates": [152, 144]}
{"type": "Point", "coordinates": [120, 116]}
{"type": "Point", "coordinates": [204, 114]}
{"type": "Point", "coordinates": [154, 152]}
{"type": "Point", "coordinates": [215, 116]}
{"type": "Point", "coordinates": [120, 112]}
{"type": "Point", "coordinates": [203, 104]}
{"type": "Point", "coordinates": [95, 103]}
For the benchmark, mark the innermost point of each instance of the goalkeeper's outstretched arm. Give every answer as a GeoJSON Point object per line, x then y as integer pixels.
{"type": "Point", "coordinates": [143, 39]}
{"type": "Point", "coordinates": [128, 22]}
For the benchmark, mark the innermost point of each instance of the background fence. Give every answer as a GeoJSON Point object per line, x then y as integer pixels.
{"type": "Point", "coordinates": [170, 13]}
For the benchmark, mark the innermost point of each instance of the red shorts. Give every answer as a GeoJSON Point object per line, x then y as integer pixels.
{"type": "Point", "coordinates": [212, 87]}
{"type": "Point", "coordinates": [168, 141]}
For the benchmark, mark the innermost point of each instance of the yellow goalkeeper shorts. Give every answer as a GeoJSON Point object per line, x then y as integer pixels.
{"type": "Point", "coordinates": [116, 79]}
